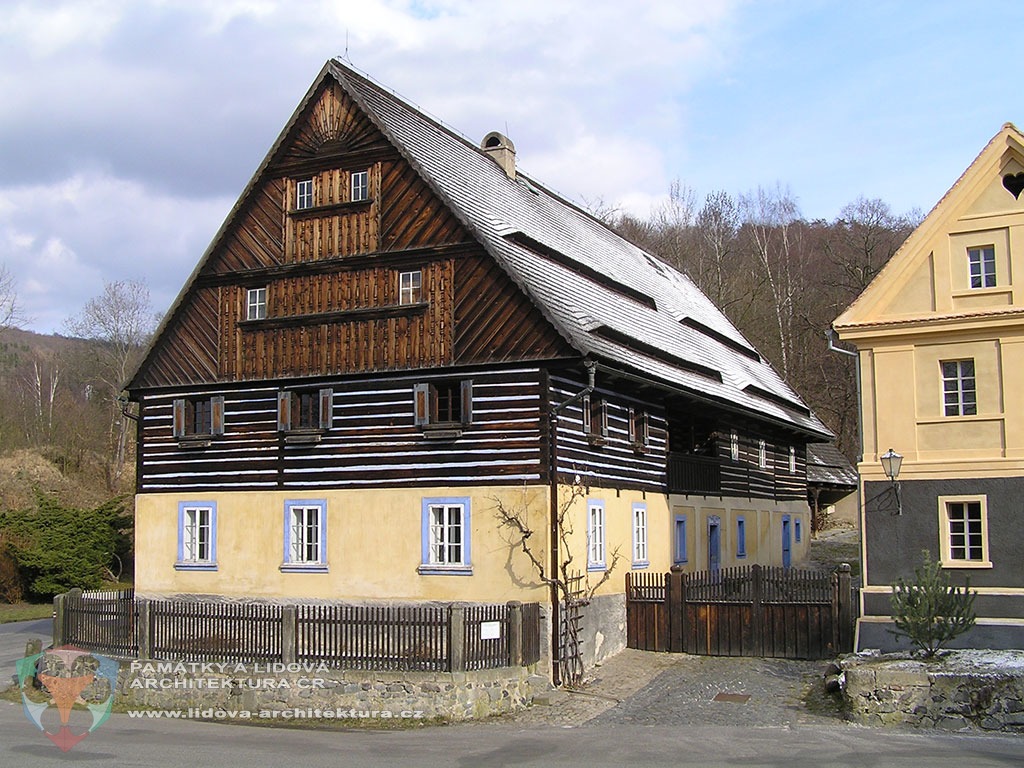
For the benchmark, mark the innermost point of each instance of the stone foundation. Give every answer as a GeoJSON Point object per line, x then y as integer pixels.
{"type": "Point", "coordinates": [960, 690]}
{"type": "Point", "coordinates": [213, 691]}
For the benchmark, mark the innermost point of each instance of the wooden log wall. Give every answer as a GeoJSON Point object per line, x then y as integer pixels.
{"type": "Point", "coordinates": [745, 479]}
{"type": "Point", "coordinates": [373, 441]}
{"type": "Point", "coordinates": [400, 337]}
{"type": "Point", "coordinates": [615, 463]}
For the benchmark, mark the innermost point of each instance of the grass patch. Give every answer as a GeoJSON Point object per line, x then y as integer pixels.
{"type": "Point", "coordinates": [24, 611]}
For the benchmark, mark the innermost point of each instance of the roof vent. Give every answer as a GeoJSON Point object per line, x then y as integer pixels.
{"type": "Point", "coordinates": [502, 151]}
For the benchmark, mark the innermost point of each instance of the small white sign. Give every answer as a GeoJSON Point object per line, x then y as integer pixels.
{"type": "Point", "coordinates": [490, 630]}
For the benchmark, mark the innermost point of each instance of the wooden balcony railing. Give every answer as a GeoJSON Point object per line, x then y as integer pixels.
{"type": "Point", "coordinates": [694, 474]}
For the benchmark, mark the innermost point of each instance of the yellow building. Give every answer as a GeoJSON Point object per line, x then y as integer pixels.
{"type": "Point", "coordinates": [940, 336]}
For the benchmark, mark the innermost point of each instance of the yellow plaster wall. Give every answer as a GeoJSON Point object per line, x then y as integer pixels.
{"type": "Point", "coordinates": [373, 546]}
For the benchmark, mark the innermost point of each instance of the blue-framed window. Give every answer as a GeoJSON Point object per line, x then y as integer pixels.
{"type": "Point", "coordinates": [797, 529]}
{"type": "Point", "coordinates": [640, 556]}
{"type": "Point", "coordinates": [197, 536]}
{"type": "Point", "coordinates": [595, 535]}
{"type": "Point", "coordinates": [305, 536]}
{"type": "Point", "coordinates": [679, 540]}
{"type": "Point", "coordinates": [445, 536]}
{"type": "Point", "coordinates": [741, 536]}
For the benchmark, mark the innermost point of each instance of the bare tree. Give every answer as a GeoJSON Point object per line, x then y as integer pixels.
{"type": "Point", "coordinates": [120, 322]}
{"type": "Point", "coordinates": [10, 310]}
{"type": "Point", "coordinates": [565, 580]}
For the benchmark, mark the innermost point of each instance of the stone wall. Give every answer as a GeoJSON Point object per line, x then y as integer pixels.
{"type": "Point", "coordinates": [279, 691]}
{"type": "Point", "coordinates": [961, 690]}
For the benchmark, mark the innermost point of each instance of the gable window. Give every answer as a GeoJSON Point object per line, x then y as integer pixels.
{"type": "Point", "coordinates": [359, 186]}
{"type": "Point", "coordinates": [305, 535]}
{"type": "Point", "coordinates": [445, 532]}
{"type": "Point", "coordinates": [982, 264]}
{"type": "Point", "coordinates": [305, 410]}
{"type": "Point", "coordinates": [734, 446]}
{"type": "Point", "coordinates": [762, 454]}
{"type": "Point", "coordinates": [679, 540]}
{"type": "Point", "coordinates": [303, 194]}
{"type": "Point", "coordinates": [197, 536]}
{"type": "Point", "coordinates": [256, 304]}
{"type": "Point", "coordinates": [960, 397]}
{"type": "Point", "coordinates": [198, 416]}
{"type": "Point", "coordinates": [595, 535]}
{"type": "Point", "coordinates": [640, 559]}
{"type": "Point", "coordinates": [410, 287]}
{"type": "Point", "coordinates": [963, 531]}
{"type": "Point", "coordinates": [443, 405]}
{"type": "Point", "coordinates": [741, 537]}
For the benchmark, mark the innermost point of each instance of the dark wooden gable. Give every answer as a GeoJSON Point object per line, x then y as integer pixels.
{"type": "Point", "coordinates": [331, 271]}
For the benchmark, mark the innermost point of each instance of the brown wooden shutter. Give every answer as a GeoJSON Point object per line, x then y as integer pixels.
{"type": "Point", "coordinates": [587, 425]}
{"type": "Point", "coordinates": [603, 415]}
{"type": "Point", "coordinates": [217, 415]}
{"type": "Point", "coordinates": [631, 426]}
{"type": "Point", "coordinates": [421, 404]}
{"type": "Point", "coordinates": [179, 418]}
{"type": "Point", "coordinates": [467, 401]}
{"type": "Point", "coordinates": [284, 411]}
{"type": "Point", "coordinates": [326, 408]}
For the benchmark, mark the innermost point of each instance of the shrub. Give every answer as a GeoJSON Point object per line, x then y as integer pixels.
{"type": "Point", "coordinates": [11, 587]}
{"type": "Point", "coordinates": [57, 547]}
{"type": "Point", "coordinates": [929, 611]}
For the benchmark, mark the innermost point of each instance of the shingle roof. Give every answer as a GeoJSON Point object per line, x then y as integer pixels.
{"type": "Point", "coordinates": [608, 297]}
{"type": "Point", "coordinates": [826, 465]}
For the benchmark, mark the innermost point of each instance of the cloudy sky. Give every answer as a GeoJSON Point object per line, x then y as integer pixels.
{"type": "Point", "coordinates": [129, 127]}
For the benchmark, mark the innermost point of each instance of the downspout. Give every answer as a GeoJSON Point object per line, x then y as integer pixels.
{"type": "Point", "coordinates": [553, 532]}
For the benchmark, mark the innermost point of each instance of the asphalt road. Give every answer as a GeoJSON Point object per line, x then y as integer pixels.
{"type": "Point", "coordinates": [617, 738]}
{"type": "Point", "coordinates": [184, 744]}
{"type": "Point", "coordinates": [13, 637]}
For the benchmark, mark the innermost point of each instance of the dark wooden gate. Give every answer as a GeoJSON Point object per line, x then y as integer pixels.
{"type": "Point", "coordinates": [746, 611]}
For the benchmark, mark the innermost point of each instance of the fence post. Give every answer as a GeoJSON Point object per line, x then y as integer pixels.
{"type": "Point", "coordinates": [757, 609]}
{"type": "Point", "coordinates": [845, 609]}
{"type": "Point", "coordinates": [515, 633]}
{"type": "Point", "coordinates": [59, 619]}
{"type": "Point", "coordinates": [675, 609]}
{"type": "Point", "coordinates": [289, 634]}
{"type": "Point", "coordinates": [144, 626]}
{"type": "Point", "coordinates": [456, 638]}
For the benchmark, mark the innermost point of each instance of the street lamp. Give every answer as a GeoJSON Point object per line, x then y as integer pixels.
{"type": "Point", "coordinates": [891, 463]}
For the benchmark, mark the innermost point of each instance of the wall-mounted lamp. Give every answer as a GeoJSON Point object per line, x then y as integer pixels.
{"type": "Point", "coordinates": [891, 463]}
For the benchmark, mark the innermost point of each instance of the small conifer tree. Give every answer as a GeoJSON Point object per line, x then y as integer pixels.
{"type": "Point", "coordinates": [929, 611]}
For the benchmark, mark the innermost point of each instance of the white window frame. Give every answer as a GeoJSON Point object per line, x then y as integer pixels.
{"type": "Point", "coordinates": [304, 194]}
{"type": "Point", "coordinates": [443, 553]}
{"type": "Point", "coordinates": [595, 535]}
{"type": "Point", "coordinates": [792, 459]}
{"type": "Point", "coordinates": [981, 266]}
{"type": "Point", "coordinates": [734, 446]}
{"type": "Point", "coordinates": [410, 287]}
{"type": "Point", "coordinates": [359, 186]}
{"type": "Point", "coordinates": [305, 528]}
{"type": "Point", "coordinates": [197, 536]}
{"type": "Point", "coordinates": [762, 454]}
{"type": "Point", "coordinates": [256, 303]}
{"type": "Point", "coordinates": [950, 538]}
{"type": "Point", "coordinates": [640, 556]}
{"type": "Point", "coordinates": [966, 397]}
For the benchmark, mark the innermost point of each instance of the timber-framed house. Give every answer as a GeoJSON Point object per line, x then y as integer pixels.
{"type": "Point", "coordinates": [396, 334]}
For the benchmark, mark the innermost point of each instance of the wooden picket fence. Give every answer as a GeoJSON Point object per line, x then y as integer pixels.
{"type": "Point", "coordinates": [386, 637]}
{"type": "Point", "coordinates": [744, 611]}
